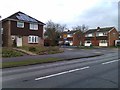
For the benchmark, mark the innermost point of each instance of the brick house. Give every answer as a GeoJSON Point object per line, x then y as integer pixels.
{"type": "Point", "coordinates": [119, 34]}
{"type": "Point", "coordinates": [101, 36]}
{"type": "Point", "coordinates": [72, 38]}
{"type": "Point", "coordinates": [20, 29]}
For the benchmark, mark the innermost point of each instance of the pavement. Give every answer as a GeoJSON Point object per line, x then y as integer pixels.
{"type": "Point", "coordinates": [69, 53]}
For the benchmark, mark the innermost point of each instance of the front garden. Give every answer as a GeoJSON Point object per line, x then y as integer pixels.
{"type": "Point", "coordinates": [10, 52]}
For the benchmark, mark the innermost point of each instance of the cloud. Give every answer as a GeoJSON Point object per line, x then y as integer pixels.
{"type": "Point", "coordinates": [102, 14]}
{"type": "Point", "coordinates": [71, 12]}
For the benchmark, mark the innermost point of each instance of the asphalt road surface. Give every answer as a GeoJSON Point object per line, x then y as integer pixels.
{"type": "Point", "coordinates": [96, 72]}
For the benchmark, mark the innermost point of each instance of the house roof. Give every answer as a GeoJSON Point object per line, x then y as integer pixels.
{"type": "Point", "coordinates": [91, 31]}
{"type": "Point", "coordinates": [23, 17]}
{"type": "Point", "coordinates": [99, 30]}
{"type": "Point", "coordinates": [70, 32]}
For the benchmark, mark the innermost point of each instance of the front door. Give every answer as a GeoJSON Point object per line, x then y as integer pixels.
{"type": "Point", "coordinates": [19, 41]}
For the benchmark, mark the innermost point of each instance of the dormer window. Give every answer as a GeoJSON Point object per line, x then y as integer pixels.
{"type": "Point", "coordinates": [20, 24]}
{"type": "Point", "coordinates": [33, 26]}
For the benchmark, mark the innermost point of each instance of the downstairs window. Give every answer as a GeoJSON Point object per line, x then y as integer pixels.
{"type": "Point", "coordinates": [32, 39]}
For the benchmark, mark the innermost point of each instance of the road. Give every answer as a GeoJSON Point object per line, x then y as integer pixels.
{"type": "Point", "coordinates": [95, 72]}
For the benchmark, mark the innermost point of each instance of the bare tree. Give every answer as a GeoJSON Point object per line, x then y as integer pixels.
{"type": "Point", "coordinates": [53, 31]}
{"type": "Point", "coordinates": [80, 30]}
{"type": "Point", "coordinates": [83, 28]}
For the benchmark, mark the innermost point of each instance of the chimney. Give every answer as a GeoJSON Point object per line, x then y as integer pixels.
{"type": "Point", "coordinates": [98, 28]}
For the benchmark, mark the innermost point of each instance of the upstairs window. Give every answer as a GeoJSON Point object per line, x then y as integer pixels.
{"type": "Point", "coordinates": [89, 35]}
{"type": "Point", "coordinates": [101, 34]}
{"type": "Point", "coordinates": [103, 41]}
{"type": "Point", "coordinates": [69, 35]}
{"type": "Point", "coordinates": [33, 39]}
{"type": "Point", "coordinates": [20, 24]}
{"type": "Point", "coordinates": [33, 26]}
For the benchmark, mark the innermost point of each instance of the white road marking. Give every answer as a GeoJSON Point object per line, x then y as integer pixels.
{"type": "Point", "coordinates": [69, 71]}
{"type": "Point", "coordinates": [110, 62]}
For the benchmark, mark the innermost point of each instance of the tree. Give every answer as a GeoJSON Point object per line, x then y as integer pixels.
{"type": "Point", "coordinates": [80, 30]}
{"type": "Point", "coordinates": [53, 31]}
{"type": "Point", "coordinates": [83, 28]}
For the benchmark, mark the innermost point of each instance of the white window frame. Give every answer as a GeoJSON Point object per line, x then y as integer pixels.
{"type": "Point", "coordinates": [1, 30]}
{"type": "Point", "coordinates": [103, 41]}
{"type": "Point", "coordinates": [89, 35]}
{"type": "Point", "coordinates": [101, 34]}
{"type": "Point", "coordinates": [33, 39]}
{"type": "Point", "coordinates": [33, 26]}
{"type": "Point", "coordinates": [20, 24]}
{"type": "Point", "coordinates": [70, 35]}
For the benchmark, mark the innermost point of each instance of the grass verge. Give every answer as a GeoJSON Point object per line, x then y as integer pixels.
{"type": "Point", "coordinates": [39, 61]}
{"type": "Point", "coordinates": [28, 62]}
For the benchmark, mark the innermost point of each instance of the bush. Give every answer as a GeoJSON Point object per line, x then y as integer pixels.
{"type": "Point", "coordinates": [43, 50]}
{"type": "Point", "coordinates": [7, 52]}
{"type": "Point", "coordinates": [32, 49]}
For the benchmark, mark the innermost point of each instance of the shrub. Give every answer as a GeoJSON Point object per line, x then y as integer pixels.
{"type": "Point", "coordinates": [7, 52]}
{"type": "Point", "coordinates": [32, 49]}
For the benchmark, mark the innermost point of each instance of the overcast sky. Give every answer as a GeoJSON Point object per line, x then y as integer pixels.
{"type": "Point", "coordinates": [94, 13]}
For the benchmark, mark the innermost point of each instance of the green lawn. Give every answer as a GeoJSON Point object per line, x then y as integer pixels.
{"type": "Point", "coordinates": [29, 62]}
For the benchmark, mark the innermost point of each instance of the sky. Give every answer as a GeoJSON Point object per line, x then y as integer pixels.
{"type": "Point", "coordinates": [93, 13]}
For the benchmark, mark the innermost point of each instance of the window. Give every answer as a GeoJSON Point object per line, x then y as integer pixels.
{"type": "Point", "coordinates": [105, 33]}
{"type": "Point", "coordinates": [89, 35]}
{"type": "Point", "coordinates": [103, 41]}
{"type": "Point", "coordinates": [1, 30]}
{"type": "Point", "coordinates": [33, 26]}
{"type": "Point", "coordinates": [101, 34]}
{"type": "Point", "coordinates": [33, 39]}
{"type": "Point", "coordinates": [88, 41]}
{"type": "Point", "coordinates": [20, 24]}
{"type": "Point", "coordinates": [69, 35]}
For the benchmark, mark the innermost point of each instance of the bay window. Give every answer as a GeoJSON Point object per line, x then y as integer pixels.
{"type": "Point", "coordinates": [33, 39]}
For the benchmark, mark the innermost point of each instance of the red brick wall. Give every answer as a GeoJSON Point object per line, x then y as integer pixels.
{"type": "Point", "coordinates": [10, 28]}
{"type": "Point", "coordinates": [25, 42]}
{"type": "Point", "coordinates": [76, 40]}
{"type": "Point", "coordinates": [6, 34]}
{"type": "Point", "coordinates": [25, 31]}
{"type": "Point", "coordinates": [112, 37]}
